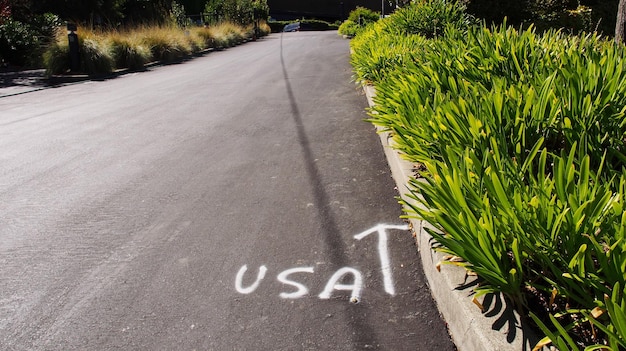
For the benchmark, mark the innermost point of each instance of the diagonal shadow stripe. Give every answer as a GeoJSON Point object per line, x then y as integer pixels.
{"type": "Point", "coordinates": [362, 332]}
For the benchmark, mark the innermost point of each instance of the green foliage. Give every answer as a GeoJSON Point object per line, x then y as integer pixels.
{"type": "Point", "coordinates": [128, 54]}
{"type": "Point", "coordinates": [242, 12]}
{"type": "Point", "coordinates": [227, 35]}
{"type": "Point", "coordinates": [22, 44]}
{"type": "Point", "coordinates": [101, 52]}
{"type": "Point", "coordinates": [376, 53]}
{"type": "Point", "coordinates": [95, 57]}
{"type": "Point", "coordinates": [570, 15]}
{"type": "Point", "coordinates": [615, 306]}
{"type": "Point", "coordinates": [349, 28]}
{"type": "Point", "coordinates": [18, 42]}
{"type": "Point", "coordinates": [358, 20]}
{"type": "Point", "coordinates": [178, 16]}
{"type": "Point", "coordinates": [166, 47]}
{"type": "Point", "coordinates": [522, 138]}
{"type": "Point", "coordinates": [429, 18]}
{"type": "Point", "coordinates": [56, 59]}
{"type": "Point", "coordinates": [46, 25]}
{"type": "Point", "coordinates": [313, 24]}
{"type": "Point", "coordinates": [363, 16]}
{"type": "Point", "coordinates": [389, 43]}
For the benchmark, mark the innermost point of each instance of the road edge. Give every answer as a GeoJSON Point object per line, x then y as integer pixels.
{"type": "Point", "coordinates": [496, 328]}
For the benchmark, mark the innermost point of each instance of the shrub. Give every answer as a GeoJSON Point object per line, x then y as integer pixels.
{"type": "Point", "coordinates": [358, 19]}
{"type": "Point", "coordinates": [227, 35]}
{"type": "Point", "coordinates": [312, 24]}
{"type": "Point", "coordinates": [429, 18]}
{"type": "Point", "coordinates": [56, 59]}
{"type": "Point", "coordinates": [349, 28]}
{"type": "Point", "coordinates": [128, 53]}
{"type": "Point", "coordinates": [47, 27]}
{"type": "Point", "coordinates": [206, 35]}
{"type": "Point", "coordinates": [264, 28]}
{"type": "Point", "coordinates": [277, 26]}
{"type": "Point", "coordinates": [18, 43]}
{"type": "Point", "coordinates": [391, 42]}
{"type": "Point", "coordinates": [166, 44]}
{"type": "Point", "coordinates": [522, 136]}
{"type": "Point", "coordinates": [241, 12]}
{"type": "Point", "coordinates": [363, 16]}
{"type": "Point", "coordinates": [95, 56]}
{"type": "Point", "coordinates": [101, 52]}
{"type": "Point", "coordinates": [570, 89]}
{"type": "Point", "coordinates": [376, 53]}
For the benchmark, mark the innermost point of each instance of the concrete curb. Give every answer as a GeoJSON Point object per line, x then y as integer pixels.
{"type": "Point", "coordinates": [496, 328]}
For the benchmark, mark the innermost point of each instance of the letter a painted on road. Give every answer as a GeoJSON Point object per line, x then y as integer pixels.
{"type": "Point", "coordinates": [333, 284]}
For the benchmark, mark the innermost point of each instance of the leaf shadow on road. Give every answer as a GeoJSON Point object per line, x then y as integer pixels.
{"type": "Point", "coordinates": [362, 333]}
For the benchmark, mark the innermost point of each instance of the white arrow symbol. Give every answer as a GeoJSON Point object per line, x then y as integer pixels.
{"type": "Point", "coordinates": [385, 263]}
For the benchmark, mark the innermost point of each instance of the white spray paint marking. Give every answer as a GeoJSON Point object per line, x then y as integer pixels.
{"type": "Point", "coordinates": [251, 288]}
{"type": "Point", "coordinates": [335, 281]}
{"type": "Point", "coordinates": [302, 290]}
{"type": "Point", "coordinates": [333, 284]}
{"type": "Point", "coordinates": [383, 252]}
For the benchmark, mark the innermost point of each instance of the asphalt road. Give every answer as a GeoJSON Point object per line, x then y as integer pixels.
{"type": "Point", "coordinates": [214, 204]}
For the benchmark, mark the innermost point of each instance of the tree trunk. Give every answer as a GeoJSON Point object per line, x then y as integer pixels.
{"type": "Point", "coordinates": [621, 21]}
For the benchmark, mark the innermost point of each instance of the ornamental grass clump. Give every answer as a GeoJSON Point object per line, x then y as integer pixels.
{"type": "Point", "coordinates": [227, 34]}
{"type": "Point", "coordinates": [103, 51]}
{"type": "Point", "coordinates": [56, 58]}
{"type": "Point", "coordinates": [166, 44]}
{"type": "Point", "coordinates": [206, 35]}
{"type": "Point", "coordinates": [95, 56]}
{"type": "Point", "coordinates": [522, 138]}
{"type": "Point", "coordinates": [128, 53]}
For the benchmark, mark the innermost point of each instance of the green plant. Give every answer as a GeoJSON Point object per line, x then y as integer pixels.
{"type": "Point", "coordinates": [358, 19]}
{"type": "Point", "coordinates": [165, 44]}
{"type": "Point", "coordinates": [227, 34]}
{"type": "Point", "coordinates": [614, 310]}
{"type": "Point", "coordinates": [313, 24]}
{"type": "Point", "coordinates": [363, 16]}
{"type": "Point", "coordinates": [178, 17]}
{"type": "Point", "coordinates": [95, 56]}
{"type": "Point", "coordinates": [47, 25]}
{"type": "Point", "coordinates": [429, 18]}
{"type": "Point", "coordinates": [205, 35]}
{"type": "Point", "coordinates": [18, 42]}
{"type": "Point", "coordinates": [522, 139]}
{"type": "Point", "coordinates": [56, 59]}
{"type": "Point", "coordinates": [349, 28]}
{"type": "Point", "coordinates": [242, 12]}
{"type": "Point", "coordinates": [377, 54]}
{"type": "Point", "coordinates": [128, 54]}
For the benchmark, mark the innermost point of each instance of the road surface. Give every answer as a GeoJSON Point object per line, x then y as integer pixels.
{"type": "Point", "coordinates": [236, 201]}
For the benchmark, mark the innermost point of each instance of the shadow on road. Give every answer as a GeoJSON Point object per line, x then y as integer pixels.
{"type": "Point", "coordinates": [362, 334]}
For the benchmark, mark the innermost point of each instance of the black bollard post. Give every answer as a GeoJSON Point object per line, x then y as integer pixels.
{"type": "Point", "coordinates": [73, 45]}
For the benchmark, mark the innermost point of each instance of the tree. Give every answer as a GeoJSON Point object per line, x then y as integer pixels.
{"type": "Point", "coordinates": [5, 10]}
{"type": "Point", "coordinates": [178, 16]}
{"type": "Point", "coordinates": [146, 11]}
{"type": "Point", "coordinates": [238, 11]}
{"type": "Point", "coordinates": [621, 22]}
